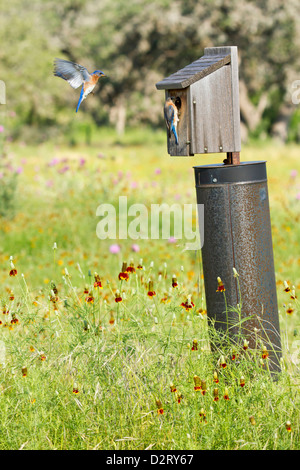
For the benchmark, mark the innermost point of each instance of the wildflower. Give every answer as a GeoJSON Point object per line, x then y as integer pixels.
{"type": "Point", "coordinates": [203, 387]}
{"type": "Point", "coordinates": [293, 294]}
{"type": "Point", "coordinates": [90, 298]}
{"type": "Point", "coordinates": [130, 268]}
{"type": "Point", "coordinates": [221, 287]}
{"type": "Point", "coordinates": [234, 356]}
{"type": "Point", "coordinates": [140, 265]}
{"type": "Point", "coordinates": [14, 319]}
{"type": "Point", "coordinates": [242, 381]}
{"type": "Point", "coordinates": [216, 394]}
{"type": "Point", "coordinates": [31, 349]}
{"type": "Point", "coordinates": [54, 288]}
{"type": "Point", "coordinates": [160, 409]}
{"type": "Point", "coordinates": [135, 248]}
{"type": "Point", "coordinates": [290, 310]}
{"type": "Point", "coordinates": [179, 397]}
{"type": "Point", "coordinates": [188, 304]}
{"type": "Point", "coordinates": [97, 282]}
{"type": "Point", "coordinates": [223, 362]}
{"type": "Point", "coordinates": [195, 345]}
{"type": "Point", "coordinates": [114, 249]}
{"type": "Point", "coordinates": [286, 287]}
{"type": "Point", "coordinates": [202, 415]}
{"type": "Point", "coordinates": [24, 371]}
{"type": "Point", "coordinates": [173, 388]}
{"type": "Point", "coordinates": [13, 272]}
{"type": "Point", "coordinates": [174, 281]}
{"type": "Point", "coordinates": [112, 318]}
{"type": "Point", "coordinates": [86, 290]}
{"type": "Point", "coordinates": [42, 357]}
{"type": "Point", "coordinates": [252, 420]}
{"type": "Point", "coordinates": [264, 352]}
{"type": "Point", "coordinates": [216, 378]}
{"type": "Point", "coordinates": [288, 426]}
{"type": "Point", "coordinates": [165, 299]}
{"type": "Point", "coordinates": [151, 292]}
{"type": "Point", "coordinates": [245, 345]}
{"type": "Point", "coordinates": [118, 297]}
{"type": "Point", "coordinates": [197, 383]}
{"type": "Point", "coordinates": [200, 311]}
{"type": "Point", "coordinates": [123, 275]}
{"type": "Point", "coordinates": [235, 273]}
{"type": "Point", "coordinates": [75, 389]}
{"type": "Point", "coordinates": [226, 394]}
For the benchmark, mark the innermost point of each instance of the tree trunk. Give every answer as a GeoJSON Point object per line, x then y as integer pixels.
{"type": "Point", "coordinates": [117, 116]}
{"type": "Point", "coordinates": [251, 114]}
{"type": "Point", "coordinates": [281, 126]}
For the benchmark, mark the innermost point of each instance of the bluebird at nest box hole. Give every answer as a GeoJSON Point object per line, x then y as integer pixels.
{"type": "Point", "coordinates": [171, 118]}
{"type": "Point", "coordinates": [77, 75]}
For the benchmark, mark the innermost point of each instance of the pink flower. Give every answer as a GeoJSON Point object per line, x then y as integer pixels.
{"type": "Point", "coordinates": [1, 129]}
{"type": "Point", "coordinates": [54, 162]}
{"type": "Point", "coordinates": [114, 249]}
{"type": "Point", "coordinates": [158, 171]}
{"type": "Point", "coordinates": [134, 184]}
{"type": "Point", "coordinates": [298, 197]}
{"type": "Point", "coordinates": [64, 169]}
{"type": "Point", "coordinates": [135, 247]}
{"type": "Point", "coordinates": [81, 161]}
{"type": "Point", "coordinates": [19, 170]}
{"type": "Point", "coordinates": [49, 183]}
{"type": "Point", "coordinates": [172, 240]}
{"type": "Point", "coordinates": [293, 173]}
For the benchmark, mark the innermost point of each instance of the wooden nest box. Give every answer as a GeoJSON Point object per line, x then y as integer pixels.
{"type": "Point", "coordinates": [206, 94]}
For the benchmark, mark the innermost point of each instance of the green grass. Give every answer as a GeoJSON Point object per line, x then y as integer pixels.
{"type": "Point", "coordinates": [122, 357]}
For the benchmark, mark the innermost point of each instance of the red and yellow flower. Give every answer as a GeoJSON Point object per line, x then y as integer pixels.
{"type": "Point", "coordinates": [151, 292]}
{"type": "Point", "coordinates": [197, 383]}
{"type": "Point", "coordinates": [221, 287]}
{"type": "Point", "coordinates": [97, 281]}
{"type": "Point", "coordinates": [160, 409]}
{"type": "Point", "coordinates": [123, 275]}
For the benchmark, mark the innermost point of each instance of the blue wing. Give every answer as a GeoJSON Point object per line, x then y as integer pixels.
{"type": "Point", "coordinates": [73, 73]}
{"type": "Point", "coordinates": [169, 116]}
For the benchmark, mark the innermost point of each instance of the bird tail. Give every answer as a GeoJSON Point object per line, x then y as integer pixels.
{"type": "Point", "coordinates": [80, 99]}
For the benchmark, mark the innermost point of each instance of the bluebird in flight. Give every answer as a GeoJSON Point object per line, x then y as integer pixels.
{"type": "Point", "coordinates": [77, 75]}
{"type": "Point", "coordinates": [171, 118]}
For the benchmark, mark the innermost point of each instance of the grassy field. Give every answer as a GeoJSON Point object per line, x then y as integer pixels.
{"type": "Point", "coordinates": [82, 371]}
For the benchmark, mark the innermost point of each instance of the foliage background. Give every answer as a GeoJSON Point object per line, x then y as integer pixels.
{"type": "Point", "coordinates": [137, 43]}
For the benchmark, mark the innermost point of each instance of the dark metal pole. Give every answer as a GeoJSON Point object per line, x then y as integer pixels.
{"type": "Point", "coordinates": [237, 234]}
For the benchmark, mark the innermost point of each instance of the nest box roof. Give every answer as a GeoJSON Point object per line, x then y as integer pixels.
{"type": "Point", "coordinates": [214, 58]}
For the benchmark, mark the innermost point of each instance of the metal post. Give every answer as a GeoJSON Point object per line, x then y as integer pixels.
{"type": "Point", "coordinates": [237, 234]}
